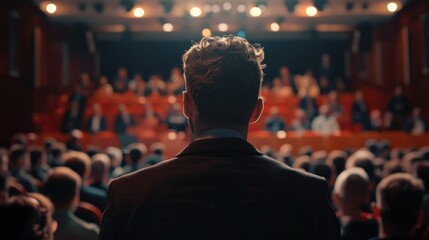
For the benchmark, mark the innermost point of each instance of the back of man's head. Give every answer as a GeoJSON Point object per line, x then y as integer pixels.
{"type": "Point", "coordinates": [399, 199]}
{"type": "Point", "coordinates": [36, 155]}
{"type": "Point", "coordinates": [62, 186]}
{"type": "Point", "coordinates": [78, 162]}
{"type": "Point", "coordinates": [100, 166]}
{"type": "Point", "coordinates": [223, 76]}
{"type": "Point", "coordinates": [352, 188]}
{"type": "Point", "coordinates": [137, 152]}
{"type": "Point", "coordinates": [17, 156]}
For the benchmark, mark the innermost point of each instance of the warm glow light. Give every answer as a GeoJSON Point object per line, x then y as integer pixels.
{"type": "Point", "coordinates": [206, 32]}
{"type": "Point", "coordinates": [167, 27]}
{"type": "Point", "coordinates": [195, 12]}
{"type": "Point", "coordinates": [138, 12]}
{"type": "Point", "coordinates": [172, 99]}
{"type": "Point", "coordinates": [215, 8]}
{"type": "Point", "coordinates": [142, 100]}
{"type": "Point", "coordinates": [51, 8]}
{"type": "Point", "coordinates": [207, 8]}
{"type": "Point", "coordinates": [311, 11]}
{"type": "Point", "coordinates": [227, 6]}
{"type": "Point", "coordinates": [241, 8]}
{"type": "Point", "coordinates": [255, 12]}
{"type": "Point", "coordinates": [172, 136]}
{"type": "Point", "coordinates": [275, 27]}
{"type": "Point", "coordinates": [223, 27]}
{"type": "Point", "coordinates": [281, 134]}
{"type": "Point", "coordinates": [392, 7]}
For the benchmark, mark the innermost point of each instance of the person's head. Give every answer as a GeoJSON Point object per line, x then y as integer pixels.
{"type": "Point", "coordinates": [333, 97]}
{"type": "Point", "coordinates": [122, 109]}
{"type": "Point", "coordinates": [398, 91]}
{"type": "Point", "coordinates": [324, 110]}
{"type": "Point", "coordinates": [274, 111]}
{"type": "Point", "coordinates": [79, 162]}
{"type": "Point", "coordinates": [158, 148]}
{"type": "Point", "coordinates": [358, 96]}
{"type": "Point", "coordinates": [62, 186]}
{"type": "Point", "coordinates": [337, 159]}
{"type": "Point", "coordinates": [27, 218]}
{"type": "Point", "coordinates": [223, 77]}
{"type": "Point", "coordinates": [137, 151]}
{"type": "Point", "coordinates": [100, 167]}
{"type": "Point", "coordinates": [122, 73]}
{"type": "Point", "coordinates": [97, 109]}
{"type": "Point", "coordinates": [115, 155]}
{"type": "Point", "coordinates": [416, 112]}
{"type": "Point", "coordinates": [351, 190]}
{"type": "Point", "coordinates": [303, 163]}
{"type": "Point", "coordinates": [363, 159]}
{"type": "Point", "coordinates": [399, 199]}
{"type": "Point", "coordinates": [57, 150]}
{"type": "Point", "coordinates": [103, 80]}
{"type": "Point", "coordinates": [284, 72]}
{"type": "Point", "coordinates": [19, 159]}
{"type": "Point", "coordinates": [322, 169]}
{"type": "Point", "coordinates": [37, 156]}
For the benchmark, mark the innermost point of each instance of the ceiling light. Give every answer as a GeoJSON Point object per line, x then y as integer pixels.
{"type": "Point", "coordinates": [138, 12]}
{"type": "Point", "coordinates": [275, 27]}
{"type": "Point", "coordinates": [392, 7]}
{"type": "Point", "coordinates": [167, 27]}
{"type": "Point", "coordinates": [51, 8]}
{"type": "Point", "coordinates": [206, 32]}
{"type": "Point", "coordinates": [227, 6]}
{"type": "Point", "coordinates": [195, 12]}
{"type": "Point", "coordinates": [255, 11]}
{"type": "Point", "coordinates": [215, 8]}
{"type": "Point", "coordinates": [241, 8]}
{"type": "Point", "coordinates": [223, 27]}
{"type": "Point", "coordinates": [207, 8]}
{"type": "Point", "coordinates": [311, 11]}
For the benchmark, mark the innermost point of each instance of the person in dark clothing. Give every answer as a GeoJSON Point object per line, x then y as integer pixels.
{"type": "Point", "coordinates": [39, 166]}
{"type": "Point", "coordinates": [19, 164]}
{"type": "Point", "coordinates": [123, 120]}
{"type": "Point", "coordinates": [72, 118]}
{"type": "Point", "coordinates": [273, 122]}
{"type": "Point", "coordinates": [360, 112]}
{"type": "Point", "coordinates": [100, 169]}
{"type": "Point", "coordinates": [137, 152]}
{"type": "Point", "coordinates": [309, 106]}
{"type": "Point", "coordinates": [97, 122]}
{"type": "Point", "coordinates": [220, 186]}
{"type": "Point", "coordinates": [415, 124]}
{"type": "Point", "coordinates": [175, 119]}
{"type": "Point", "coordinates": [399, 108]}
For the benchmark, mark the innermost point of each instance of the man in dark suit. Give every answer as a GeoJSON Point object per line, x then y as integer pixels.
{"type": "Point", "coordinates": [97, 122]}
{"type": "Point", "coordinates": [220, 186]}
{"type": "Point", "coordinates": [123, 120]}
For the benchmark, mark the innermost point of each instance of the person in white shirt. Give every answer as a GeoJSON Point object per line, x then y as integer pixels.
{"type": "Point", "coordinates": [96, 122]}
{"type": "Point", "coordinates": [415, 124]}
{"type": "Point", "coordinates": [325, 124]}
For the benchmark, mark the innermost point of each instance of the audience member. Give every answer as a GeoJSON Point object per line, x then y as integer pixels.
{"type": "Point", "coordinates": [334, 104]}
{"type": "Point", "coordinates": [100, 171]}
{"type": "Point", "coordinates": [104, 89]}
{"type": "Point", "coordinates": [325, 123]}
{"type": "Point", "coordinates": [308, 105]}
{"type": "Point", "coordinates": [157, 153]}
{"type": "Point", "coordinates": [351, 192]}
{"type": "Point", "coordinates": [74, 142]}
{"type": "Point", "coordinates": [97, 122]}
{"type": "Point", "coordinates": [399, 201]}
{"type": "Point", "coordinates": [399, 108]}
{"type": "Point", "coordinates": [256, 198]}
{"type": "Point", "coordinates": [285, 78]}
{"type": "Point", "coordinates": [176, 85]}
{"type": "Point", "coordinates": [415, 124]}
{"type": "Point", "coordinates": [115, 156]}
{"type": "Point", "coordinates": [175, 119]}
{"type": "Point", "coordinates": [273, 122]}
{"type": "Point", "coordinates": [39, 163]}
{"type": "Point", "coordinates": [19, 165]}
{"type": "Point", "coordinates": [57, 152]}
{"type": "Point", "coordinates": [120, 83]}
{"type": "Point", "coordinates": [123, 120]}
{"type": "Point", "coordinates": [4, 188]}
{"type": "Point", "coordinates": [300, 123]}
{"type": "Point", "coordinates": [80, 163]}
{"type": "Point", "coordinates": [137, 153]}
{"type": "Point", "coordinates": [72, 118]}
{"type": "Point", "coordinates": [375, 120]}
{"type": "Point", "coordinates": [62, 187]}
{"type": "Point", "coordinates": [360, 111]}
{"type": "Point", "coordinates": [156, 85]}
{"type": "Point", "coordinates": [326, 72]}
{"type": "Point", "coordinates": [137, 85]}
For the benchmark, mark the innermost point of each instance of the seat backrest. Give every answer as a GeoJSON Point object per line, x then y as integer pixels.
{"type": "Point", "coordinates": [88, 213]}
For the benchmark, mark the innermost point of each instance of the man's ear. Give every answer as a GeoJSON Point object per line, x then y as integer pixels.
{"type": "Point", "coordinates": [188, 105]}
{"type": "Point", "coordinates": [257, 111]}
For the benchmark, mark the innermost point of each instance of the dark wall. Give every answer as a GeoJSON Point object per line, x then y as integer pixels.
{"type": "Point", "coordinates": [150, 57]}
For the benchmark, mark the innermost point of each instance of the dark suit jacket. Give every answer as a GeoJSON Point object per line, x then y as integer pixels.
{"type": "Point", "coordinates": [219, 189]}
{"type": "Point", "coordinates": [121, 126]}
{"type": "Point", "coordinates": [94, 196]}
{"type": "Point", "coordinates": [103, 124]}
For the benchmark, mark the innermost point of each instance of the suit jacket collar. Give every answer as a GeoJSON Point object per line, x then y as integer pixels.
{"type": "Point", "coordinates": [220, 147]}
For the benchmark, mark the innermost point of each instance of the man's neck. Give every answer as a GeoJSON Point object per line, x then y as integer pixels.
{"type": "Point", "coordinates": [199, 129]}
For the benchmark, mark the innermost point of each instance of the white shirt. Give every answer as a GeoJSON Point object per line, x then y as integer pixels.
{"type": "Point", "coordinates": [325, 125]}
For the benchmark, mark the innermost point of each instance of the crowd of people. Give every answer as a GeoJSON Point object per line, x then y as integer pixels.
{"type": "Point", "coordinates": [46, 185]}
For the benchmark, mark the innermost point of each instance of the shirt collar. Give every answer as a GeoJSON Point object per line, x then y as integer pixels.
{"type": "Point", "coordinates": [220, 133]}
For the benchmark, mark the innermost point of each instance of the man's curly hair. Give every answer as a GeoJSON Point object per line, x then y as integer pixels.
{"type": "Point", "coordinates": [224, 75]}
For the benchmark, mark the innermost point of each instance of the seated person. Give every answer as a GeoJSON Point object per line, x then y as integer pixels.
{"type": "Point", "coordinates": [74, 142]}
{"type": "Point", "coordinates": [115, 156]}
{"type": "Point", "coordinates": [27, 217]}
{"type": "Point", "coordinates": [273, 122]}
{"type": "Point", "coordinates": [300, 122]}
{"type": "Point", "coordinates": [72, 118]}
{"type": "Point", "coordinates": [100, 171]}
{"type": "Point", "coordinates": [120, 83]}
{"type": "Point", "coordinates": [137, 152]}
{"type": "Point", "coordinates": [39, 166]}
{"type": "Point", "coordinates": [279, 89]}
{"type": "Point", "coordinates": [175, 119]}
{"type": "Point", "coordinates": [334, 104]}
{"type": "Point", "coordinates": [351, 192]}
{"type": "Point", "coordinates": [156, 85]}
{"type": "Point", "coordinates": [360, 114]}
{"type": "Point", "coordinates": [325, 124]}
{"type": "Point", "coordinates": [137, 85]}
{"type": "Point", "coordinates": [104, 89]}
{"type": "Point", "coordinates": [375, 120]}
{"type": "Point", "coordinates": [62, 187]}
{"type": "Point", "coordinates": [80, 163]}
{"type": "Point", "coordinates": [19, 165]}
{"type": "Point", "coordinates": [97, 122]}
{"type": "Point", "coordinates": [157, 154]}
{"type": "Point", "coordinates": [398, 207]}
{"type": "Point", "coordinates": [415, 124]}
{"type": "Point", "coordinates": [176, 85]}
{"type": "Point", "coordinates": [399, 107]}
{"type": "Point", "coordinates": [123, 120]}
{"type": "Point", "coordinates": [308, 105]}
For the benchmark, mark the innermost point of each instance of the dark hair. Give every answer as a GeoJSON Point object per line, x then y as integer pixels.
{"type": "Point", "coordinates": [323, 170]}
{"type": "Point", "coordinates": [16, 153]}
{"type": "Point", "coordinates": [36, 156]}
{"type": "Point", "coordinates": [61, 185]}
{"type": "Point", "coordinates": [400, 197]}
{"type": "Point", "coordinates": [223, 76]}
{"type": "Point", "coordinates": [136, 155]}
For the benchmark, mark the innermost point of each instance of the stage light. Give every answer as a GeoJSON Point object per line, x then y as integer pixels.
{"type": "Point", "coordinates": [291, 5]}
{"type": "Point", "coordinates": [51, 8]}
{"type": "Point", "coordinates": [311, 11]}
{"type": "Point", "coordinates": [241, 8]}
{"type": "Point", "coordinates": [255, 11]}
{"type": "Point", "coordinates": [195, 12]}
{"type": "Point", "coordinates": [227, 6]}
{"type": "Point", "coordinates": [167, 27]}
{"type": "Point", "coordinates": [215, 8]}
{"type": "Point", "coordinates": [207, 8]}
{"type": "Point", "coordinates": [281, 134]}
{"type": "Point", "coordinates": [138, 12]}
{"type": "Point", "coordinates": [223, 27]}
{"type": "Point", "coordinates": [172, 136]}
{"type": "Point", "coordinates": [206, 32]}
{"type": "Point", "coordinates": [275, 27]}
{"type": "Point", "coordinates": [392, 7]}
